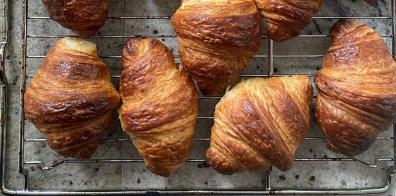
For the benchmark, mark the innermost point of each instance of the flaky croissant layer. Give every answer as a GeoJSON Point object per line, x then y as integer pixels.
{"type": "Point", "coordinates": [70, 99]}
{"type": "Point", "coordinates": [84, 17]}
{"type": "Point", "coordinates": [286, 18]}
{"type": "Point", "coordinates": [217, 38]}
{"type": "Point", "coordinates": [159, 107]}
{"type": "Point", "coordinates": [357, 88]}
{"type": "Point", "coordinates": [260, 123]}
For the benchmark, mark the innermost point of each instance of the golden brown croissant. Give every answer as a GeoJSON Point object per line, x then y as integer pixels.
{"type": "Point", "coordinates": [159, 105]}
{"type": "Point", "coordinates": [70, 99]}
{"type": "Point", "coordinates": [357, 88]}
{"type": "Point", "coordinates": [286, 18]}
{"type": "Point", "coordinates": [217, 38]}
{"type": "Point", "coordinates": [84, 17]}
{"type": "Point", "coordinates": [260, 123]}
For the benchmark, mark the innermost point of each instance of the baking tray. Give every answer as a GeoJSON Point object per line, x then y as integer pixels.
{"type": "Point", "coordinates": [116, 168]}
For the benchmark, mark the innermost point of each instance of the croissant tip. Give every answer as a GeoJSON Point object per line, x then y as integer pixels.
{"type": "Point", "coordinates": [280, 36]}
{"type": "Point", "coordinates": [345, 151]}
{"type": "Point", "coordinates": [144, 43]}
{"type": "Point", "coordinates": [79, 44]}
{"type": "Point", "coordinates": [341, 27]}
{"type": "Point", "coordinates": [80, 17]}
{"type": "Point", "coordinates": [220, 163]}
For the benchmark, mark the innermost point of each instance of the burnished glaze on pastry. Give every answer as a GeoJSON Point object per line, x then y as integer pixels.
{"type": "Point", "coordinates": [70, 99]}
{"type": "Point", "coordinates": [84, 17]}
{"type": "Point", "coordinates": [217, 38]}
{"type": "Point", "coordinates": [286, 18]}
{"type": "Point", "coordinates": [160, 104]}
{"type": "Point", "coordinates": [357, 88]}
{"type": "Point", "coordinates": [260, 123]}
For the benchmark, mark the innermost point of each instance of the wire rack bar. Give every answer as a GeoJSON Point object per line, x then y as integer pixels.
{"type": "Point", "coordinates": [242, 75]}
{"type": "Point", "coordinates": [21, 157]}
{"type": "Point", "coordinates": [394, 56]}
{"type": "Point", "coordinates": [4, 90]}
{"type": "Point", "coordinates": [43, 166]}
{"type": "Point", "coordinates": [178, 57]}
{"type": "Point", "coordinates": [157, 36]}
{"type": "Point", "coordinates": [169, 17]}
{"type": "Point", "coordinates": [195, 139]}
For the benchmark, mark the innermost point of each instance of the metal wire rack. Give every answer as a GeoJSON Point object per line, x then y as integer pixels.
{"type": "Point", "coordinates": [267, 187]}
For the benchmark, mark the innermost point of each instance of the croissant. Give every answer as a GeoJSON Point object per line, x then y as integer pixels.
{"type": "Point", "coordinates": [83, 17]}
{"type": "Point", "coordinates": [260, 123]}
{"type": "Point", "coordinates": [286, 18]}
{"type": "Point", "coordinates": [159, 107]}
{"type": "Point", "coordinates": [357, 88]}
{"type": "Point", "coordinates": [70, 99]}
{"type": "Point", "coordinates": [216, 39]}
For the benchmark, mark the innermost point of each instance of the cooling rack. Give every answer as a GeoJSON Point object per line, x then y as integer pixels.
{"type": "Point", "coordinates": [39, 164]}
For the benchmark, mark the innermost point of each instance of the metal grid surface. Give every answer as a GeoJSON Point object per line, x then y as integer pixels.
{"type": "Point", "coordinates": [29, 136]}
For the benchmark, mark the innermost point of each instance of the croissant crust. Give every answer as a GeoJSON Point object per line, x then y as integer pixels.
{"type": "Point", "coordinates": [70, 98]}
{"type": "Point", "coordinates": [83, 17]}
{"type": "Point", "coordinates": [216, 40]}
{"type": "Point", "coordinates": [260, 123]}
{"type": "Point", "coordinates": [159, 105]}
{"type": "Point", "coordinates": [286, 18]}
{"type": "Point", "coordinates": [357, 88]}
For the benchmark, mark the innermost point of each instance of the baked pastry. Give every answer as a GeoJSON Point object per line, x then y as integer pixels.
{"type": "Point", "coordinates": [260, 123]}
{"type": "Point", "coordinates": [217, 38]}
{"type": "Point", "coordinates": [70, 99]}
{"type": "Point", "coordinates": [83, 17]}
{"type": "Point", "coordinates": [286, 18]}
{"type": "Point", "coordinates": [357, 88]}
{"type": "Point", "coordinates": [159, 107]}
